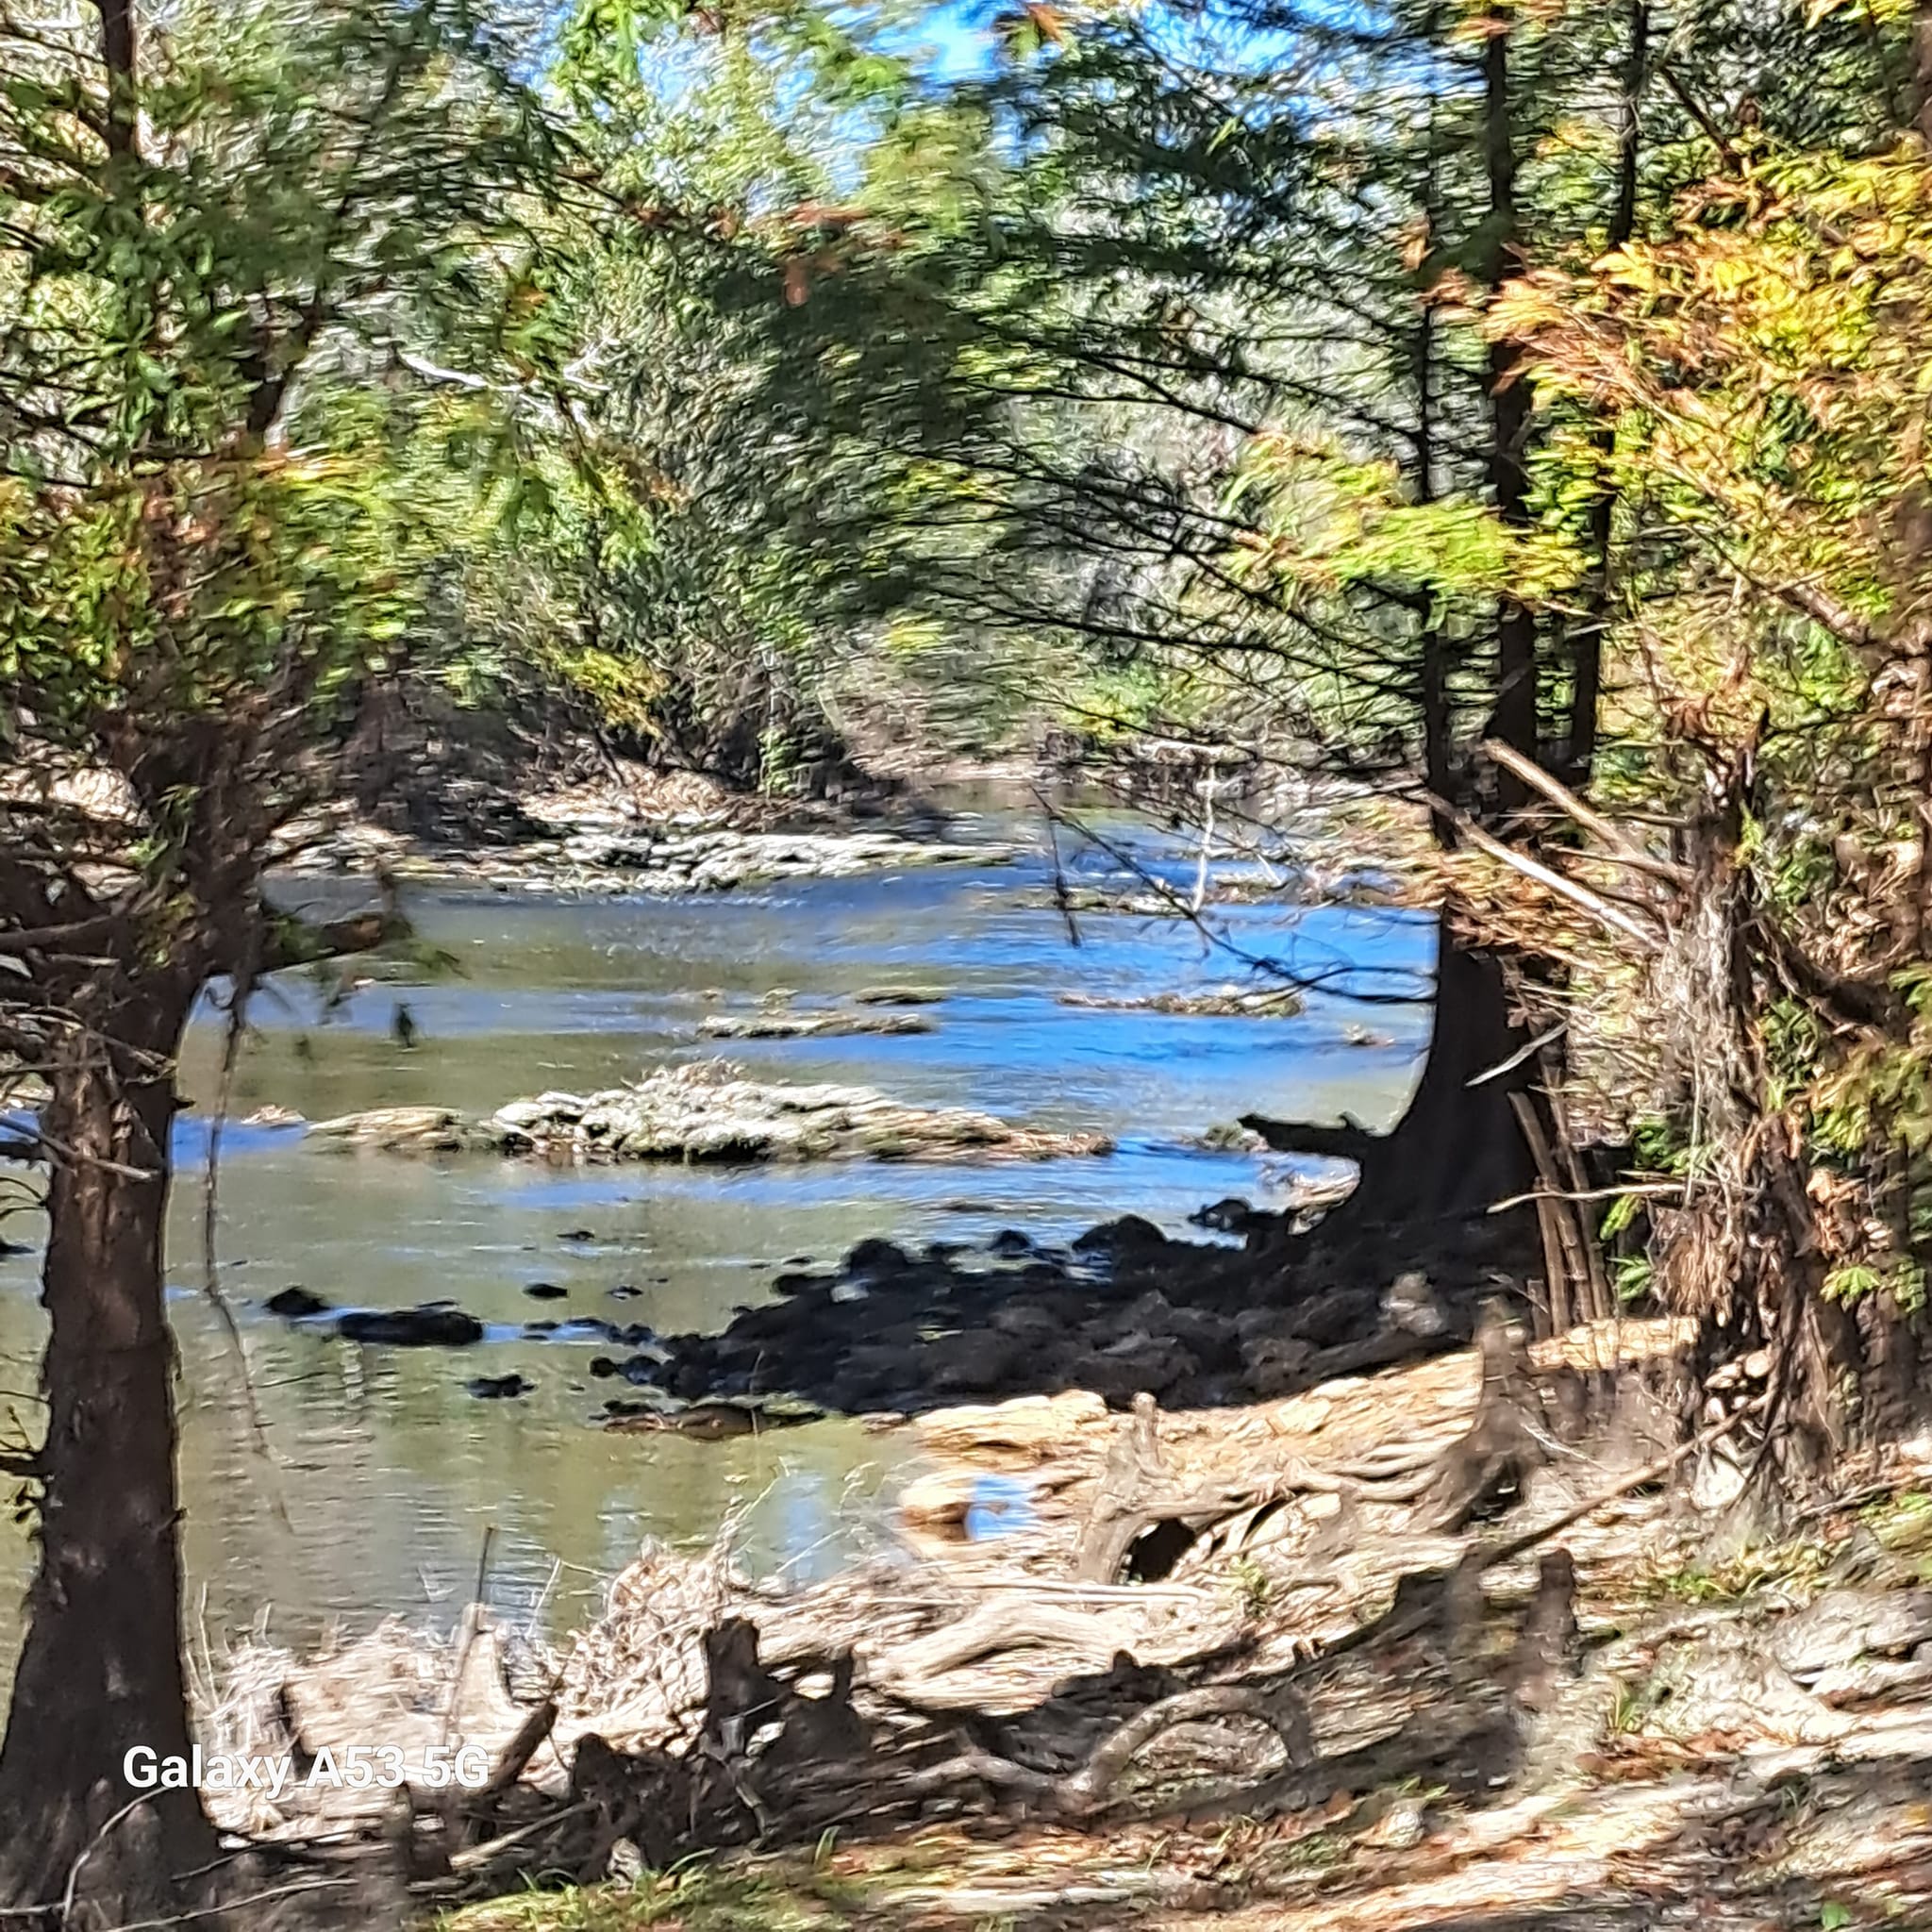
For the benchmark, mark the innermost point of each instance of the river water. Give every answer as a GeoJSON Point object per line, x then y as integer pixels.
{"type": "Point", "coordinates": [385, 1474]}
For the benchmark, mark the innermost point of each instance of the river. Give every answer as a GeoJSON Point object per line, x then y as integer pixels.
{"type": "Point", "coordinates": [385, 1474]}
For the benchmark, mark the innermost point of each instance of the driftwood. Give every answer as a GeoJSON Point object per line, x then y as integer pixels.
{"type": "Point", "coordinates": [753, 1714]}
{"type": "Point", "coordinates": [1137, 1498]}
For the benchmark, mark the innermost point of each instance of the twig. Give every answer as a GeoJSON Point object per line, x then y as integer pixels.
{"type": "Point", "coordinates": [1587, 1194]}
{"type": "Point", "coordinates": [1517, 1058]}
{"type": "Point", "coordinates": [481, 1855]}
{"type": "Point", "coordinates": [1578, 895]}
{"type": "Point", "coordinates": [1593, 821]}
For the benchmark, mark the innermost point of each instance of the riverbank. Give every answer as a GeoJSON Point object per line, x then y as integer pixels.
{"type": "Point", "coordinates": [1332, 1704]}
{"type": "Point", "coordinates": [388, 1451]}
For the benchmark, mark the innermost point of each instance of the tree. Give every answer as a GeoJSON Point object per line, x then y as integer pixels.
{"type": "Point", "coordinates": [214, 234]}
{"type": "Point", "coordinates": [1761, 365]}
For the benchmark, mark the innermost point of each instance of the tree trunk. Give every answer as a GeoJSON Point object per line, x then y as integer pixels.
{"type": "Point", "coordinates": [1459, 1149]}
{"type": "Point", "coordinates": [101, 1669]}
{"type": "Point", "coordinates": [1515, 717]}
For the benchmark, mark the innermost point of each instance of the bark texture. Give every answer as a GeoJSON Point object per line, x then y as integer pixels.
{"type": "Point", "coordinates": [101, 1669]}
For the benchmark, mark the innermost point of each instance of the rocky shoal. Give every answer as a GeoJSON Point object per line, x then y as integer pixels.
{"type": "Point", "coordinates": [707, 1111]}
{"type": "Point", "coordinates": [659, 860]}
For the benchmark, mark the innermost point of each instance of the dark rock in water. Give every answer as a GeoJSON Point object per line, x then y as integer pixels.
{"type": "Point", "coordinates": [500, 1387]}
{"type": "Point", "coordinates": [295, 1304]}
{"type": "Point", "coordinates": [625, 1291]}
{"type": "Point", "coordinates": [539, 1329]}
{"type": "Point", "coordinates": [603, 1367]}
{"type": "Point", "coordinates": [710, 1421]}
{"type": "Point", "coordinates": [801, 1284]}
{"type": "Point", "coordinates": [876, 1260]}
{"type": "Point", "coordinates": [1230, 1216]}
{"type": "Point", "coordinates": [1010, 1244]}
{"type": "Point", "coordinates": [642, 1371]}
{"type": "Point", "coordinates": [578, 1234]}
{"type": "Point", "coordinates": [1124, 1236]}
{"type": "Point", "coordinates": [546, 1292]}
{"type": "Point", "coordinates": [426, 1327]}
{"type": "Point", "coordinates": [943, 1252]}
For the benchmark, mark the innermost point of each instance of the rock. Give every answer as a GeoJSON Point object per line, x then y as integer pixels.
{"type": "Point", "coordinates": [1028, 1322]}
{"type": "Point", "coordinates": [499, 1388]}
{"type": "Point", "coordinates": [1127, 1235]}
{"type": "Point", "coordinates": [976, 1361]}
{"type": "Point", "coordinates": [1225, 1002]}
{"type": "Point", "coordinates": [1136, 1364]}
{"type": "Point", "coordinates": [1413, 1306]}
{"type": "Point", "coordinates": [624, 1292]}
{"type": "Point", "coordinates": [1010, 1244]}
{"type": "Point", "coordinates": [546, 1292]}
{"type": "Point", "coordinates": [407, 1129]}
{"type": "Point", "coordinates": [877, 1260]}
{"type": "Point", "coordinates": [274, 1117]}
{"type": "Point", "coordinates": [710, 1421]}
{"type": "Point", "coordinates": [711, 1112]}
{"type": "Point", "coordinates": [900, 995]}
{"type": "Point", "coordinates": [1275, 1365]}
{"type": "Point", "coordinates": [1229, 1216]}
{"type": "Point", "coordinates": [811, 1025]}
{"type": "Point", "coordinates": [296, 1304]}
{"type": "Point", "coordinates": [578, 1234]}
{"type": "Point", "coordinates": [437, 1325]}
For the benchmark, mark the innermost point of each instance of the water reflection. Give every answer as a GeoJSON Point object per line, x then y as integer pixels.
{"type": "Point", "coordinates": [388, 1471]}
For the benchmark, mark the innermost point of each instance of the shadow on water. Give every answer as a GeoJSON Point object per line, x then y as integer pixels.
{"type": "Point", "coordinates": [389, 1469]}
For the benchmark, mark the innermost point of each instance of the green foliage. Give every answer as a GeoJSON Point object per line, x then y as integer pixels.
{"type": "Point", "coordinates": [207, 537]}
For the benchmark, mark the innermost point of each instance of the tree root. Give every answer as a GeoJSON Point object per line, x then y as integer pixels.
{"type": "Point", "coordinates": [1082, 1793]}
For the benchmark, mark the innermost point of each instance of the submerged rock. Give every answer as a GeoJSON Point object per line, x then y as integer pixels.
{"type": "Point", "coordinates": [900, 995]}
{"type": "Point", "coordinates": [437, 1325]}
{"type": "Point", "coordinates": [499, 1388]}
{"type": "Point", "coordinates": [296, 1304]}
{"type": "Point", "coordinates": [711, 1112]}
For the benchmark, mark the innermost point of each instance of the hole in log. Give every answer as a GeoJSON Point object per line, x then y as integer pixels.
{"type": "Point", "coordinates": [1153, 1554]}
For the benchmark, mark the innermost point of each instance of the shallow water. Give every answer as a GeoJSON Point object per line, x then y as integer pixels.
{"type": "Point", "coordinates": [386, 1473]}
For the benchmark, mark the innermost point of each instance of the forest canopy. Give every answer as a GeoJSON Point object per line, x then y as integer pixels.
{"type": "Point", "coordinates": [1491, 440]}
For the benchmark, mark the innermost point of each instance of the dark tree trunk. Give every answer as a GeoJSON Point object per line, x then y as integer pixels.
{"type": "Point", "coordinates": [1459, 1149]}
{"type": "Point", "coordinates": [101, 1668]}
{"type": "Point", "coordinates": [1514, 719]}
{"type": "Point", "coordinates": [1587, 641]}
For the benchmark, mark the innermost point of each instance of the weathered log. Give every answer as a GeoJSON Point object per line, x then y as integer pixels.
{"type": "Point", "coordinates": [1136, 1496]}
